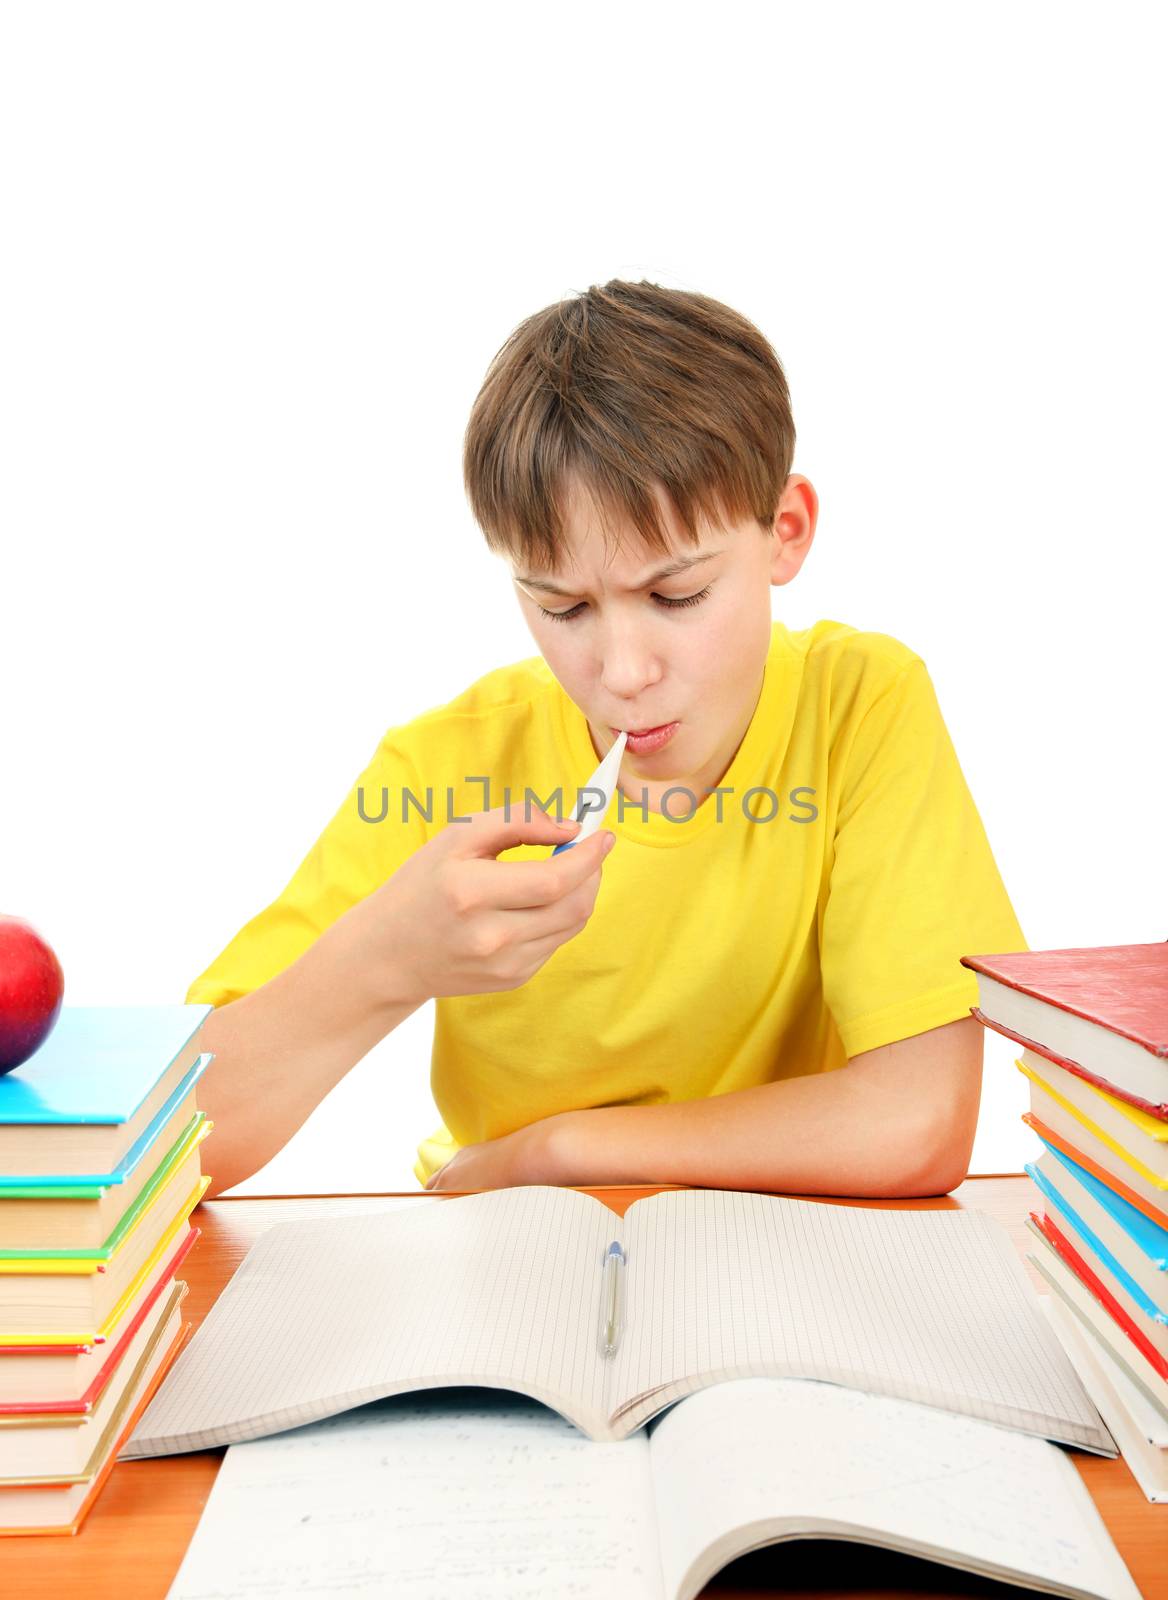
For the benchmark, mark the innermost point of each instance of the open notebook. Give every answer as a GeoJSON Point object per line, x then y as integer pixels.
{"type": "Point", "coordinates": [474, 1495]}
{"type": "Point", "coordinates": [504, 1289]}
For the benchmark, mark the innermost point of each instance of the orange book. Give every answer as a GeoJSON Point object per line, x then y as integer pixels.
{"type": "Point", "coordinates": [1116, 1185]}
{"type": "Point", "coordinates": [39, 1508]}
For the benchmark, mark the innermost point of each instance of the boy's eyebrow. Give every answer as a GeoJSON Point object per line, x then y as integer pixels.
{"type": "Point", "coordinates": [682, 564]}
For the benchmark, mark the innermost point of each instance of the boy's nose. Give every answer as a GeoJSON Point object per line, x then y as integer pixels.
{"type": "Point", "coordinates": [629, 667]}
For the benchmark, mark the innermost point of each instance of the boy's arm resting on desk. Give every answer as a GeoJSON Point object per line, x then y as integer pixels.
{"type": "Point", "coordinates": [895, 1122]}
{"type": "Point", "coordinates": [280, 1049]}
{"type": "Point", "coordinates": [913, 885]}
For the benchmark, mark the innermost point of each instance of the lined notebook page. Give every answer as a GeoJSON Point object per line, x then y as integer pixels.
{"type": "Point", "coordinates": [932, 1306]}
{"type": "Point", "coordinates": [323, 1316]}
{"type": "Point", "coordinates": [815, 1459]}
{"type": "Point", "coordinates": [460, 1495]}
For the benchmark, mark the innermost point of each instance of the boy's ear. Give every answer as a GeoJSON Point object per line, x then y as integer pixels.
{"type": "Point", "coordinates": [794, 531]}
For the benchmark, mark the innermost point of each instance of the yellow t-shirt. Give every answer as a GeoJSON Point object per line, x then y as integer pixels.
{"type": "Point", "coordinates": [815, 909]}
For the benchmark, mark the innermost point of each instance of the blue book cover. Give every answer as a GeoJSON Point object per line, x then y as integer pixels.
{"type": "Point", "coordinates": [1151, 1240]}
{"type": "Point", "coordinates": [91, 1185]}
{"type": "Point", "coordinates": [99, 1063]}
{"type": "Point", "coordinates": [1095, 1244]}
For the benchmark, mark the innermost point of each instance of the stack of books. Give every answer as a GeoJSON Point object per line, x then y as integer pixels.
{"type": "Point", "coordinates": [1094, 1023]}
{"type": "Point", "coordinates": [99, 1174]}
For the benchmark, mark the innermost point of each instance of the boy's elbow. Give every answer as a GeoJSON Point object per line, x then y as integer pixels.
{"type": "Point", "coordinates": [215, 1188]}
{"type": "Point", "coordinates": [219, 1184]}
{"type": "Point", "coordinates": [936, 1161]}
{"type": "Point", "coordinates": [226, 1168]}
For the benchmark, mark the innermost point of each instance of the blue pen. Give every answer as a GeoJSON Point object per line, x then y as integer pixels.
{"type": "Point", "coordinates": [612, 1298]}
{"type": "Point", "coordinates": [601, 786]}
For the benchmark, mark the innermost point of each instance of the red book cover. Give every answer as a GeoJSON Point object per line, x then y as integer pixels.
{"type": "Point", "coordinates": [106, 1371]}
{"type": "Point", "coordinates": [1120, 987]}
{"type": "Point", "coordinates": [1072, 1259]}
{"type": "Point", "coordinates": [100, 1477]}
{"type": "Point", "coordinates": [1160, 1218]}
{"type": "Point", "coordinates": [1152, 1107]}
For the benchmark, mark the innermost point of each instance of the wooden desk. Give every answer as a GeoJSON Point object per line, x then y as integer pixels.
{"type": "Point", "coordinates": [133, 1541]}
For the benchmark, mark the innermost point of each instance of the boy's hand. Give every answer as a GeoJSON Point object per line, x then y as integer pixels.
{"type": "Point", "coordinates": [542, 1152]}
{"type": "Point", "coordinates": [453, 920]}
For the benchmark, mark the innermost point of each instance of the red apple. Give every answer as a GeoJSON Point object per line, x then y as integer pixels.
{"type": "Point", "coordinates": [32, 986]}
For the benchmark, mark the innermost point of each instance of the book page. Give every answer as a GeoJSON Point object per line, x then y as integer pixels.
{"type": "Point", "coordinates": [458, 1495]}
{"type": "Point", "coordinates": [931, 1306]}
{"type": "Point", "coordinates": [321, 1316]}
{"type": "Point", "coordinates": [761, 1458]}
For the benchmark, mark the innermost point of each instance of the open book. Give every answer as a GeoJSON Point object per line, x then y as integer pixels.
{"type": "Point", "coordinates": [476, 1495]}
{"type": "Point", "coordinates": [504, 1289]}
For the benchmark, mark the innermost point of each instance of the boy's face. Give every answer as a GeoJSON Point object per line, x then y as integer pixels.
{"type": "Point", "coordinates": [630, 660]}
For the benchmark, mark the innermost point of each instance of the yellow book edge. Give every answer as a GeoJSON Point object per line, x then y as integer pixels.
{"type": "Point", "coordinates": [1151, 1127]}
{"type": "Point", "coordinates": [103, 1333]}
{"type": "Point", "coordinates": [1093, 1127]}
{"type": "Point", "coordinates": [99, 1481]}
{"type": "Point", "coordinates": [115, 1421]}
{"type": "Point", "coordinates": [79, 1266]}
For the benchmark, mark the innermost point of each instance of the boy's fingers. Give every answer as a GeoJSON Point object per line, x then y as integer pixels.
{"type": "Point", "coordinates": [487, 833]}
{"type": "Point", "coordinates": [527, 885]}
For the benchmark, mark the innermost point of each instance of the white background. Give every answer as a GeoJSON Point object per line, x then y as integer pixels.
{"type": "Point", "coordinates": [256, 260]}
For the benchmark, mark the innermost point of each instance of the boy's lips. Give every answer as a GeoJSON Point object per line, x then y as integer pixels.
{"type": "Point", "coordinates": [639, 733]}
{"type": "Point", "coordinates": [649, 741]}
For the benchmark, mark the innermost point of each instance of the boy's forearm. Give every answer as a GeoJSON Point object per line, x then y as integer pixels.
{"type": "Point", "coordinates": [833, 1133]}
{"type": "Point", "coordinates": [279, 1050]}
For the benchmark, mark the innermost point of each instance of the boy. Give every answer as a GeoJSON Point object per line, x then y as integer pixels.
{"type": "Point", "coordinates": [764, 992]}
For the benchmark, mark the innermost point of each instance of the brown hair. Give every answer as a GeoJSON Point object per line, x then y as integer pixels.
{"type": "Point", "coordinates": [622, 388]}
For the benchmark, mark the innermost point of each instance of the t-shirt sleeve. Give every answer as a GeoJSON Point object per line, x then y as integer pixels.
{"type": "Point", "coordinates": [914, 885]}
{"type": "Point", "coordinates": [364, 844]}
